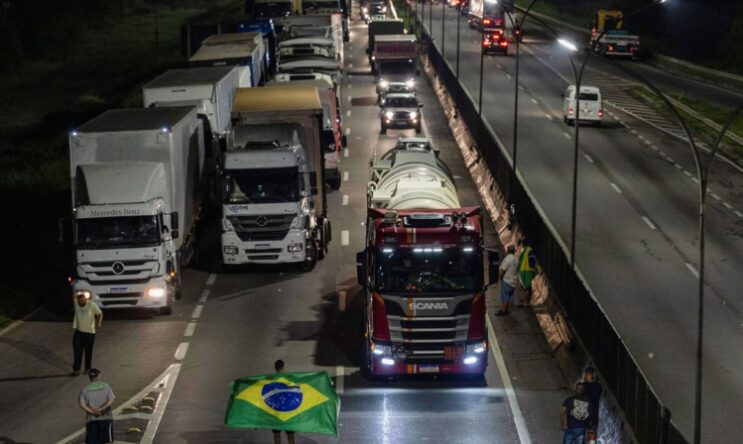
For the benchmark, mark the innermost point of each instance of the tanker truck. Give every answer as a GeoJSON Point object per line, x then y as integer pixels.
{"type": "Point", "coordinates": [422, 269]}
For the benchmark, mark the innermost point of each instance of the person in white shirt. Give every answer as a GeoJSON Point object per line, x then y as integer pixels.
{"type": "Point", "coordinates": [508, 275]}
{"type": "Point", "coordinates": [88, 318]}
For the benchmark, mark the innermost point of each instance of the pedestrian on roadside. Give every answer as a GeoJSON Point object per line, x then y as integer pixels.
{"type": "Point", "coordinates": [593, 391]}
{"type": "Point", "coordinates": [96, 399]}
{"type": "Point", "coordinates": [527, 271]}
{"type": "Point", "coordinates": [88, 319]}
{"type": "Point", "coordinates": [507, 276]}
{"type": "Point", "coordinates": [575, 415]}
{"type": "Point", "coordinates": [279, 367]}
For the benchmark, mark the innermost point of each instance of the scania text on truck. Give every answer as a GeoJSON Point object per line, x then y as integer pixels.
{"type": "Point", "coordinates": [273, 210]}
{"type": "Point", "coordinates": [136, 179]}
{"type": "Point", "coordinates": [422, 270]}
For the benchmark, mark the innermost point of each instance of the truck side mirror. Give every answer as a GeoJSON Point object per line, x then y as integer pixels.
{"type": "Point", "coordinates": [344, 141]}
{"type": "Point", "coordinates": [65, 230]}
{"type": "Point", "coordinates": [362, 276]}
{"type": "Point", "coordinates": [174, 225]}
{"type": "Point", "coordinates": [493, 259]}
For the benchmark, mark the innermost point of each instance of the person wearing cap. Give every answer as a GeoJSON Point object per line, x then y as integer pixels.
{"type": "Point", "coordinates": [96, 399]}
{"type": "Point", "coordinates": [88, 319]}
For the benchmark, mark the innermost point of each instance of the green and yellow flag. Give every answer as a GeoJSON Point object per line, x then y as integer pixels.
{"type": "Point", "coordinates": [298, 402]}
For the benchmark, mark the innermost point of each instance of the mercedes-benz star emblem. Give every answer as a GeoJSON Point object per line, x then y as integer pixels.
{"type": "Point", "coordinates": [261, 221]}
{"type": "Point", "coordinates": [117, 267]}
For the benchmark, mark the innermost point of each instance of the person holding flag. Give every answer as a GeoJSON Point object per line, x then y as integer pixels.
{"type": "Point", "coordinates": [279, 367]}
{"type": "Point", "coordinates": [527, 271]}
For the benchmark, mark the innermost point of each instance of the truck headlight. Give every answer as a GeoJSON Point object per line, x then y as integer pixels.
{"type": "Point", "coordinates": [381, 350]}
{"type": "Point", "coordinates": [294, 247]}
{"type": "Point", "coordinates": [229, 249]}
{"type": "Point", "coordinates": [383, 83]}
{"type": "Point", "coordinates": [155, 292]}
{"type": "Point", "coordinates": [227, 225]}
{"type": "Point", "coordinates": [414, 115]}
{"type": "Point", "coordinates": [470, 360]}
{"type": "Point", "coordinates": [86, 293]}
{"type": "Point", "coordinates": [410, 83]}
{"type": "Point", "coordinates": [476, 348]}
{"type": "Point", "coordinates": [389, 114]}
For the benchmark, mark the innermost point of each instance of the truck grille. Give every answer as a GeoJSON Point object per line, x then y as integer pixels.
{"type": "Point", "coordinates": [264, 227]}
{"type": "Point", "coordinates": [401, 115]}
{"type": "Point", "coordinates": [117, 271]}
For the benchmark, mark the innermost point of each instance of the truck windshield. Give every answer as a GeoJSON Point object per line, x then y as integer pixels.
{"type": "Point", "coordinates": [312, 5]}
{"type": "Point", "coordinates": [105, 232]}
{"type": "Point", "coordinates": [396, 68]}
{"type": "Point", "coordinates": [270, 185]}
{"type": "Point", "coordinates": [279, 9]}
{"type": "Point", "coordinates": [400, 102]}
{"type": "Point", "coordinates": [413, 270]}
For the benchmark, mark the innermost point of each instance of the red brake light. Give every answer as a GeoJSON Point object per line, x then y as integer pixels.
{"type": "Point", "coordinates": [570, 110]}
{"type": "Point", "coordinates": [477, 318]}
{"type": "Point", "coordinates": [611, 48]}
{"type": "Point", "coordinates": [504, 43]}
{"type": "Point", "coordinates": [601, 113]}
{"type": "Point", "coordinates": [486, 21]}
{"type": "Point", "coordinates": [486, 43]}
{"type": "Point", "coordinates": [380, 327]}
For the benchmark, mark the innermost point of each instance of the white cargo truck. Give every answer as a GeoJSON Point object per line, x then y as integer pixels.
{"type": "Point", "coordinates": [244, 54]}
{"type": "Point", "coordinates": [273, 211]}
{"type": "Point", "coordinates": [136, 177]}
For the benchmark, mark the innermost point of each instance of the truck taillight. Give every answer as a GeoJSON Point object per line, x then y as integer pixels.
{"type": "Point", "coordinates": [381, 329]}
{"type": "Point", "coordinates": [477, 318]}
{"type": "Point", "coordinates": [486, 21]}
{"type": "Point", "coordinates": [570, 111]}
{"type": "Point", "coordinates": [504, 43]}
{"type": "Point", "coordinates": [486, 42]}
{"type": "Point", "coordinates": [601, 113]}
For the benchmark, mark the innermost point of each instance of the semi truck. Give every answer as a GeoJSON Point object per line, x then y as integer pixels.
{"type": "Point", "coordinates": [382, 27]}
{"type": "Point", "coordinates": [615, 41]}
{"type": "Point", "coordinates": [422, 270]}
{"type": "Point", "coordinates": [267, 30]}
{"type": "Point", "coordinates": [395, 60]}
{"type": "Point", "coordinates": [491, 15]}
{"type": "Point", "coordinates": [273, 211]}
{"type": "Point", "coordinates": [253, 45]}
{"type": "Point", "coordinates": [328, 25]}
{"type": "Point", "coordinates": [136, 181]}
{"type": "Point", "coordinates": [333, 139]}
{"type": "Point", "coordinates": [329, 7]}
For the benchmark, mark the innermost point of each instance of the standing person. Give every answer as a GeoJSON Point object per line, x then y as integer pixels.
{"type": "Point", "coordinates": [88, 318]}
{"type": "Point", "coordinates": [96, 399]}
{"type": "Point", "coordinates": [527, 270]}
{"type": "Point", "coordinates": [593, 391]}
{"type": "Point", "coordinates": [279, 367]}
{"type": "Point", "coordinates": [508, 278]}
{"type": "Point", "coordinates": [575, 415]}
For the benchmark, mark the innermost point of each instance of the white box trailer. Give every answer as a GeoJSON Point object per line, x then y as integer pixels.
{"type": "Point", "coordinates": [244, 55]}
{"type": "Point", "coordinates": [231, 38]}
{"type": "Point", "coordinates": [211, 90]}
{"type": "Point", "coordinates": [322, 25]}
{"type": "Point", "coordinates": [136, 182]}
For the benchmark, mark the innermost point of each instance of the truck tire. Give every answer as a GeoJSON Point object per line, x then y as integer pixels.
{"type": "Point", "coordinates": [366, 370]}
{"type": "Point", "coordinates": [309, 264]}
{"type": "Point", "coordinates": [178, 288]}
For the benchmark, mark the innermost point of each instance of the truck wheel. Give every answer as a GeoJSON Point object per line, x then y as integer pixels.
{"type": "Point", "coordinates": [366, 366]}
{"type": "Point", "coordinates": [323, 250]}
{"type": "Point", "coordinates": [178, 289]}
{"type": "Point", "coordinates": [309, 264]}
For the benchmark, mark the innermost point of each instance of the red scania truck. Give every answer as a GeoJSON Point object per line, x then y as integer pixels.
{"type": "Point", "coordinates": [422, 269]}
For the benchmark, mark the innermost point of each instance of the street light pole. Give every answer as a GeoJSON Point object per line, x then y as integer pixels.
{"type": "Point", "coordinates": [459, 17]}
{"type": "Point", "coordinates": [479, 101]}
{"type": "Point", "coordinates": [430, 20]}
{"type": "Point", "coordinates": [443, 29]}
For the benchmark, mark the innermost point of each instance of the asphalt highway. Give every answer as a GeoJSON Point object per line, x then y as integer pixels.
{"type": "Point", "coordinates": [637, 228]}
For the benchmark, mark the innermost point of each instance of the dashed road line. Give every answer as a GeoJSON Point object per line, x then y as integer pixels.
{"type": "Point", "coordinates": [210, 280]}
{"type": "Point", "coordinates": [715, 196]}
{"type": "Point", "coordinates": [180, 352]}
{"type": "Point", "coordinates": [534, 101]}
{"type": "Point", "coordinates": [204, 296]}
{"type": "Point", "coordinates": [687, 173]}
{"type": "Point", "coordinates": [692, 269]}
{"type": "Point", "coordinates": [350, 65]}
{"type": "Point", "coordinates": [678, 166]}
{"type": "Point", "coordinates": [738, 213]}
{"type": "Point", "coordinates": [345, 152]}
{"type": "Point", "coordinates": [344, 238]}
{"type": "Point", "coordinates": [654, 147]}
{"type": "Point", "coordinates": [345, 176]}
{"type": "Point", "coordinates": [348, 131]}
{"type": "Point", "coordinates": [649, 224]}
{"type": "Point", "coordinates": [508, 76]}
{"type": "Point", "coordinates": [189, 329]}
{"type": "Point", "coordinates": [340, 375]}
{"type": "Point", "coordinates": [616, 188]}
{"type": "Point", "coordinates": [727, 205]}
{"type": "Point", "coordinates": [548, 116]}
{"type": "Point", "coordinates": [588, 158]}
{"type": "Point", "coordinates": [196, 314]}
{"type": "Point", "coordinates": [567, 136]}
{"type": "Point", "coordinates": [345, 200]}
{"type": "Point", "coordinates": [348, 113]}
{"type": "Point", "coordinates": [521, 88]}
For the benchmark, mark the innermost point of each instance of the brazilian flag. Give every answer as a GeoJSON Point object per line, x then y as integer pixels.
{"type": "Point", "coordinates": [298, 402]}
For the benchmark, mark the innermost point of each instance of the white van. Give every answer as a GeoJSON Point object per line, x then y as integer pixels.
{"type": "Point", "coordinates": [591, 107]}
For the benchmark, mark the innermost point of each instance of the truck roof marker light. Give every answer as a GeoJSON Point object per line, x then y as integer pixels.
{"type": "Point", "coordinates": [74, 133]}
{"type": "Point", "coordinates": [468, 249]}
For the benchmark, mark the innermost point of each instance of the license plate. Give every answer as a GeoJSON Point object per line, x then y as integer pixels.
{"type": "Point", "coordinates": [262, 246]}
{"type": "Point", "coordinates": [428, 368]}
{"type": "Point", "coordinates": [119, 290]}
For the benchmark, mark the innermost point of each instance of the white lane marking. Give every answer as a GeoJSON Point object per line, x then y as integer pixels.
{"type": "Point", "coordinates": [197, 312]}
{"type": "Point", "coordinates": [727, 205]}
{"type": "Point", "coordinates": [738, 213]}
{"type": "Point", "coordinates": [687, 173]}
{"type": "Point", "coordinates": [615, 117]}
{"type": "Point", "coordinates": [654, 147]}
{"type": "Point", "coordinates": [340, 375]}
{"type": "Point", "coordinates": [350, 65]}
{"type": "Point", "coordinates": [521, 88]}
{"type": "Point", "coordinates": [650, 224]}
{"type": "Point", "coordinates": [567, 136]}
{"type": "Point", "coordinates": [204, 296]}
{"type": "Point", "coordinates": [344, 238]}
{"type": "Point", "coordinates": [210, 280]}
{"type": "Point", "coordinates": [345, 152]}
{"type": "Point", "coordinates": [348, 131]}
{"type": "Point", "coordinates": [633, 131]}
{"type": "Point", "coordinates": [348, 113]}
{"type": "Point", "coordinates": [18, 322]}
{"type": "Point", "coordinates": [350, 85]}
{"type": "Point", "coordinates": [350, 98]}
{"type": "Point", "coordinates": [715, 196]}
{"type": "Point", "coordinates": [508, 76]}
{"type": "Point", "coordinates": [548, 116]}
{"type": "Point", "coordinates": [692, 269]}
{"type": "Point", "coordinates": [695, 180]}
{"type": "Point", "coordinates": [534, 101]}
{"type": "Point", "coordinates": [616, 188]}
{"type": "Point", "coordinates": [345, 176]}
{"type": "Point", "coordinates": [641, 137]}
{"type": "Point", "coordinates": [189, 329]}
{"type": "Point", "coordinates": [678, 166]}
{"type": "Point", "coordinates": [513, 402]}
{"type": "Point", "coordinates": [624, 124]}
{"type": "Point", "coordinates": [588, 158]}
{"type": "Point", "coordinates": [345, 200]}
{"type": "Point", "coordinates": [181, 351]}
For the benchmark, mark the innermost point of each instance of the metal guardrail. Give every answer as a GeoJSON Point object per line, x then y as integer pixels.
{"type": "Point", "coordinates": [644, 412]}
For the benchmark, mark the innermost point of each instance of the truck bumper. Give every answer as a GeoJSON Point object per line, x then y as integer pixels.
{"type": "Point", "coordinates": [236, 251]}
{"type": "Point", "coordinates": [126, 295]}
{"type": "Point", "coordinates": [400, 367]}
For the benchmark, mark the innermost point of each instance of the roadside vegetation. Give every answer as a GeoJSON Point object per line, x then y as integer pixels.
{"type": "Point", "coordinates": [62, 63]}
